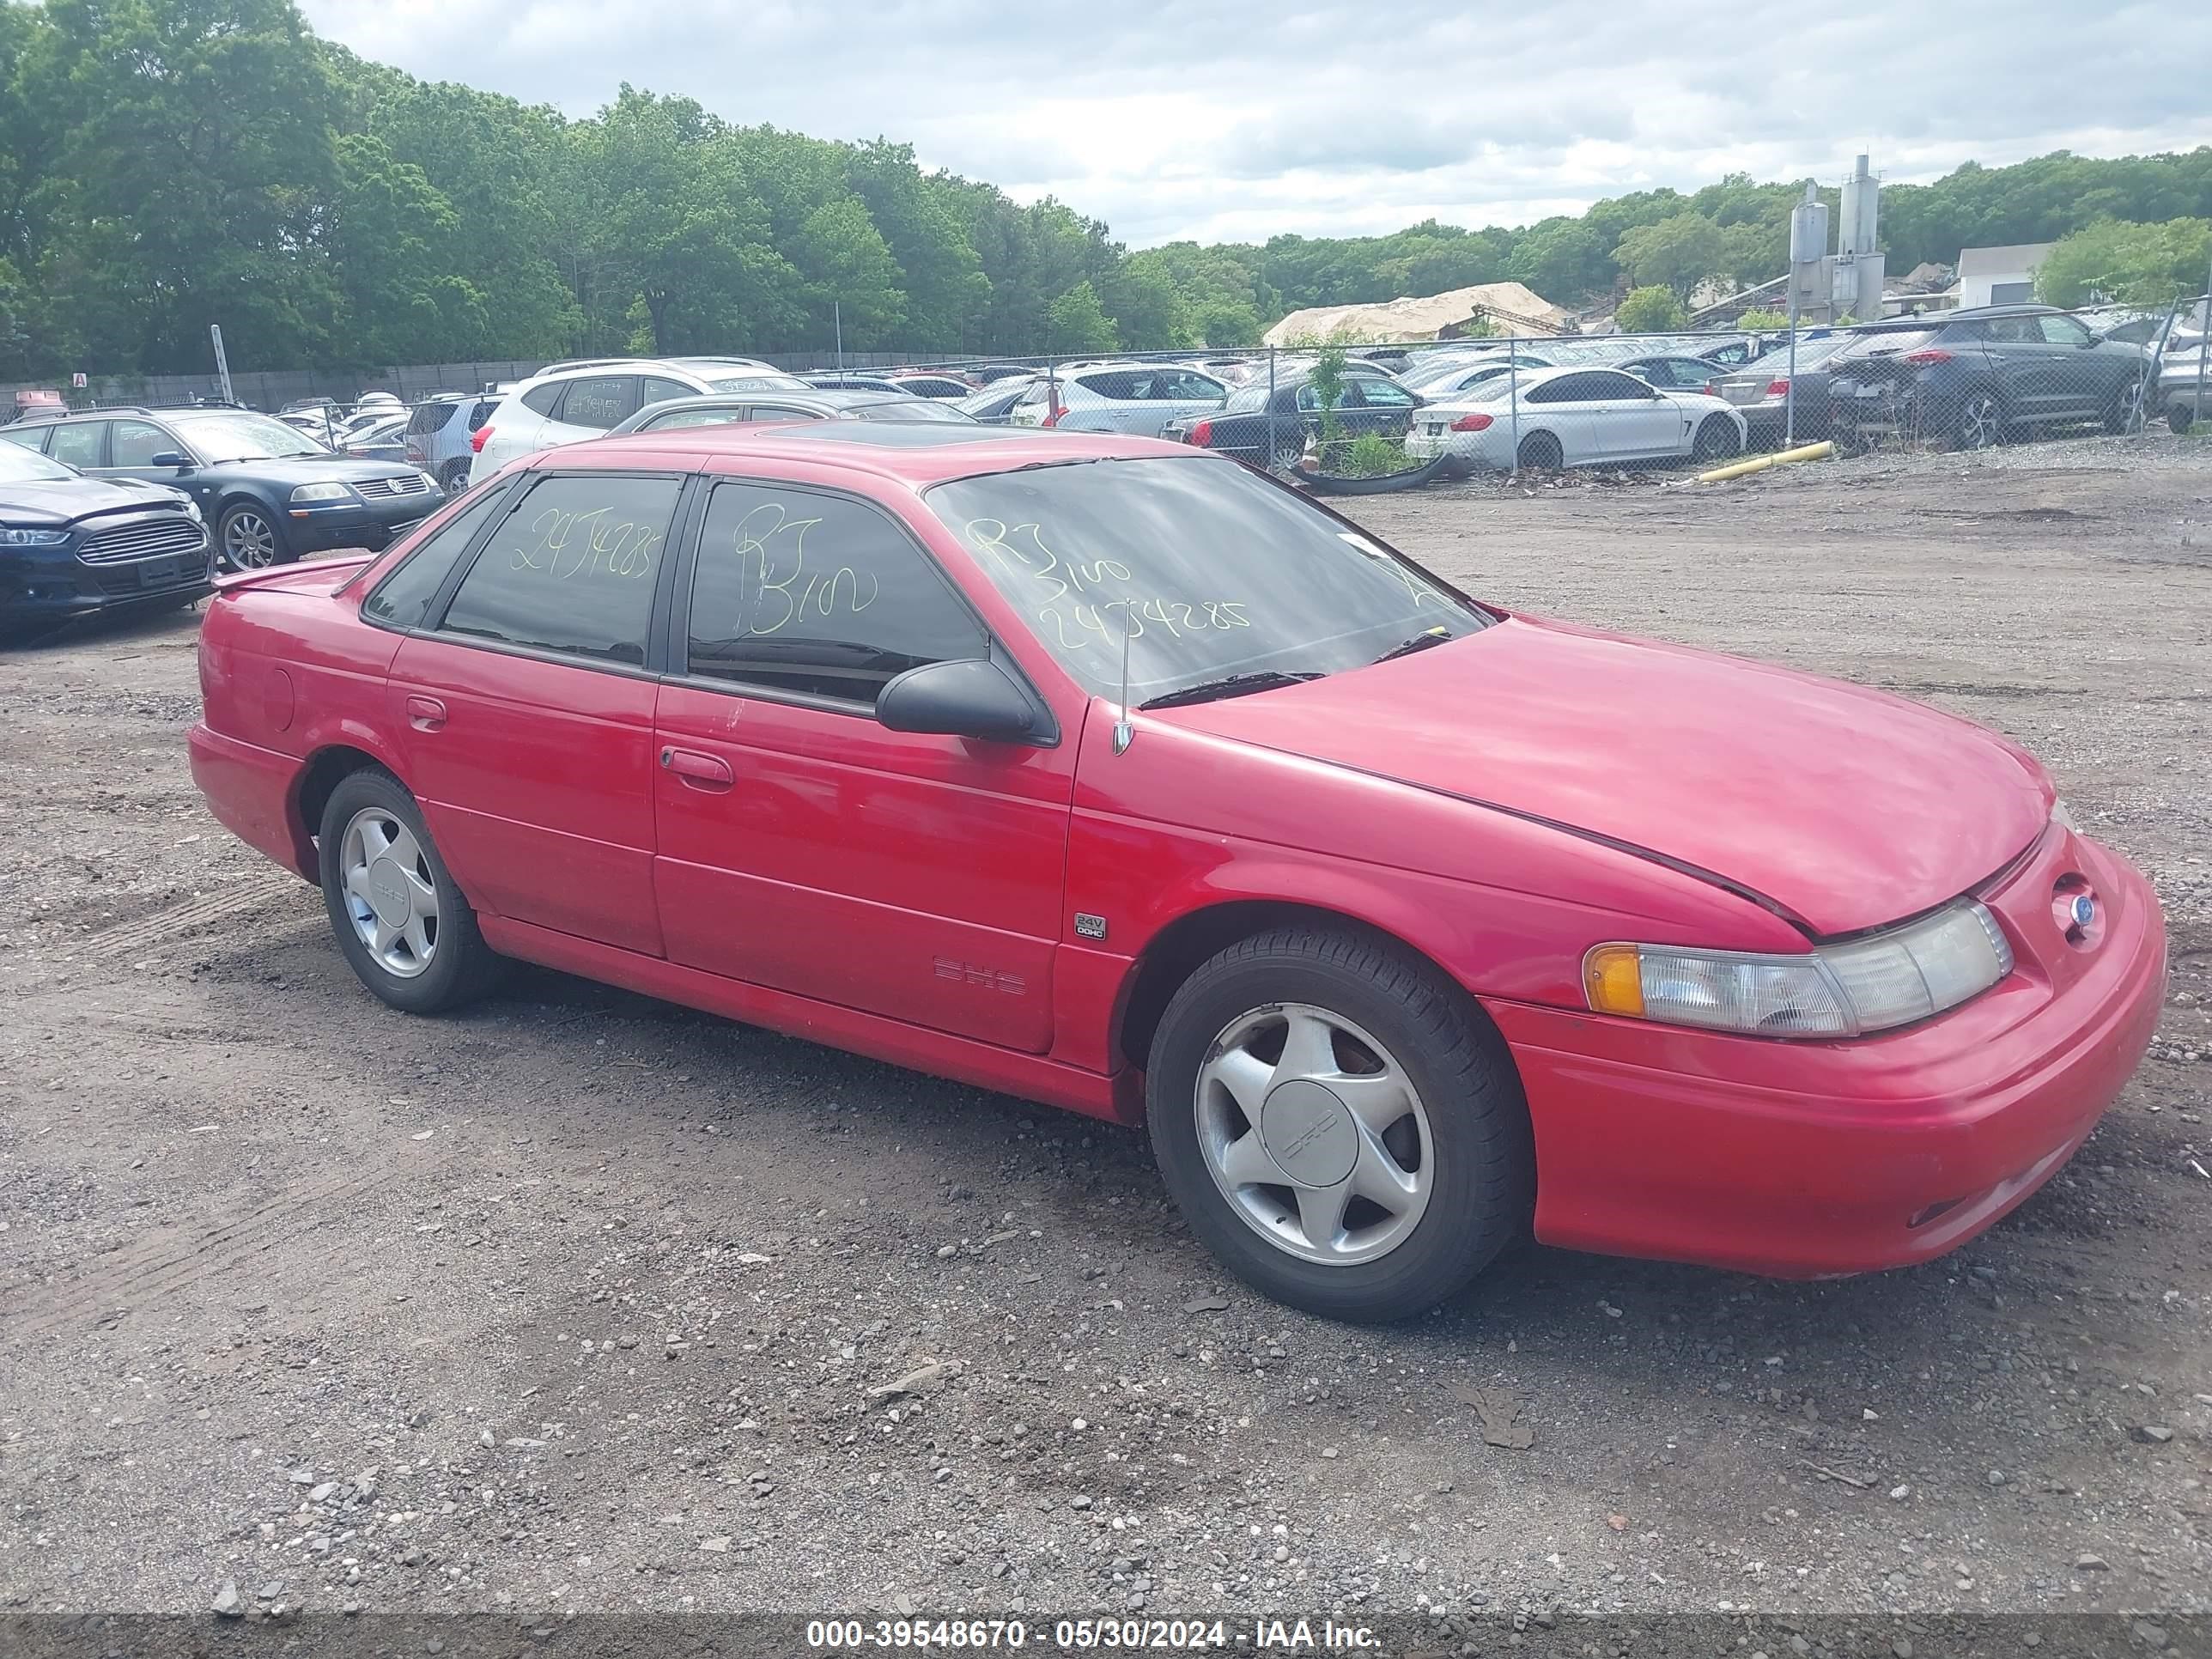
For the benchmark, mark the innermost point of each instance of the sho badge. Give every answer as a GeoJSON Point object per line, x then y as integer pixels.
{"type": "Point", "coordinates": [1090, 926]}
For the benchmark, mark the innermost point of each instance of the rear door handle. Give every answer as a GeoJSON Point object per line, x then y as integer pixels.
{"type": "Point", "coordinates": [425, 714]}
{"type": "Point", "coordinates": [698, 771]}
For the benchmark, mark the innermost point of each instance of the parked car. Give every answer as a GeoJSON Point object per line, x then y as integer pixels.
{"type": "Point", "coordinates": [382, 440]}
{"type": "Point", "coordinates": [729, 408]}
{"type": "Point", "coordinates": [1761, 391]}
{"type": "Point", "coordinates": [1731, 351]}
{"type": "Point", "coordinates": [1445, 381]}
{"type": "Point", "coordinates": [932, 385]}
{"type": "Point", "coordinates": [567, 404]}
{"type": "Point", "coordinates": [1969, 378]}
{"type": "Point", "coordinates": [1574, 418]}
{"type": "Point", "coordinates": [1273, 431]}
{"type": "Point", "coordinates": [1141, 398]}
{"type": "Point", "coordinates": [2184, 385]}
{"type": "Point", "coordinates": [438, 435]}
{"type": "Point", "coordinates": [72, 546]}
{"type": "Point", "coordinates": [994, 405]}
{"type": "Point", "coordinates": [1407, 927]}
{"type": "Point", "coordinates": [271, 492]}
{"type": "Point", "coordinates": [882, 385]}
{"type": "Point", "coordinates": [992, 373]}
{"type": "Point", "coordinates": [1671, 371]}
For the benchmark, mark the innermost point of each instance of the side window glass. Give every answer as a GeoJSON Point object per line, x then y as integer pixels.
{"type": "Point", "coordinates": [658, 391]}
{"type": "Point", "coordinates": [2063, 330]}
{"type": "Point", "coordinates": [403, 598]}
{"type": "Point", "coordinates": [602, 402]}
{"type": "Point", "coordinates": [136, 443]}
{"type": "Point", "coordinates": [817, 594]}
{"type": "Point", "coordinates": [572, 569]}
{"type": "Point", "coordinates": [1381, 394]}
{"type": "Point", "coordinates": [79, 445]}
{"type": "Point", "coordinates": [541, 399]}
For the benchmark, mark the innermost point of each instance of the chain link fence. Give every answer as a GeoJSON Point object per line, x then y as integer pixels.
{"type": "Point", "coordinates": [1509, 402]}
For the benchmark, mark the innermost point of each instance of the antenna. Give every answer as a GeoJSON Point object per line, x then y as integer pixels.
{"type": "Point", "coordinates": [1124, 734]}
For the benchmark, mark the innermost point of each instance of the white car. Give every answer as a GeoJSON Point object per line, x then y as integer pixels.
{"type": "Point", "coordinates": [1573, 417]}
{"type": "Point", "coordinates": [1136, 398]}
{"type": "Point", "coordinates": [569, 403]}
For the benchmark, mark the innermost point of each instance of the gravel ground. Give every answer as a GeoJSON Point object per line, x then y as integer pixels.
{"type": "Point", "coordinates": [585, 1302]}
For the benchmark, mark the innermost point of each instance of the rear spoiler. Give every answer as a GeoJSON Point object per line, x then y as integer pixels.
{"type": "Point", "coordinates": [341, 570]}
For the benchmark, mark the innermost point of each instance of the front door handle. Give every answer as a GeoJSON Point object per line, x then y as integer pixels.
{"type": "Point", "coordinates": [425, 713]}
{"type": "Point", "coordinates": [698, 771]}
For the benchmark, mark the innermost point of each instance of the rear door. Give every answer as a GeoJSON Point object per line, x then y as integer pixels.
{"type": "Point", "coordinates": [806, 847]}
{"type": "Point", "coordinates": [525, 706]}
{"type": "Point", "coordinates": [2026, 367]}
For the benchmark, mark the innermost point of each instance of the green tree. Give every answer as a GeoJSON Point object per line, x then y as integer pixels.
{"type": "Point", "coordinates": [944, 284]}
{"type": "Point", "coordinates": [391, 238]}
{"type": "Point", "coordinates": [1563, 261]}
{"type": "Point", "coordinates": [848, 264]}
{"type": "Point", "coordinates": [1149, 312]}
{"type": "Point", "coordinates": [2148, 265]}
{"type": "Point", "coordinates": [1649, 310]}
{"type": "Point", "coordinates": [1078, 323]}
{"type": "Point", "coordinates": [1677, 253]}
{"type": "Point", "coordinates": [1760, 322]}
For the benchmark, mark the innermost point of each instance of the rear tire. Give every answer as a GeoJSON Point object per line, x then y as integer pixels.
{"type": "Point", "coordinates": [1540, 451]}
{"type": "Point", "coordinates": [384, 884]}
{"type": "Point", "coordinates": [1978, 423]}
{"type": "Point", "coordinates": [1438, 1126]}
{"type": "Point", "coordinates": [453, 477]}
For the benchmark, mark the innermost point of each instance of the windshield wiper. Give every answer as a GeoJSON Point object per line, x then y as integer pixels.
{"type": "Point", "coordinates": [1420, 641]}
{"type": "Point", "coordinates": [1229, 685]}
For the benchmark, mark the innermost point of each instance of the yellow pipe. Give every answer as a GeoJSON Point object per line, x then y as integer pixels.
{"type": "Point", "coordinates": [1819, 452]}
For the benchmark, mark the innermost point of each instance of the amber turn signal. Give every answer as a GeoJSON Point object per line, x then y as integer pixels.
{"type": "Point", "coordinates": [1613, 981]}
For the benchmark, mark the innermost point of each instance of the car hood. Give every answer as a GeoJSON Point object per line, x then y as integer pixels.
{"type": "Point", "coordinates": [1840, 807]}
{"type": "Point", "coordinates": [314, 469]}
{"type": "Point", "coordinates": [64, 500]}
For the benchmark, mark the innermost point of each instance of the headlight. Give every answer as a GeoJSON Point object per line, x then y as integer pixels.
{"type": "Point", "coordinates": [33, 538]}
{"type": "Point", "coordinates": [321, 492]}
{"type": "Point", "coordinates": [191, 508]}
{"type": "Point", "coordinates": [1862, 985]}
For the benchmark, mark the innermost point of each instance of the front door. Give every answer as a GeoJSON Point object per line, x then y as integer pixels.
{"type": "Point", "coordinates": [526, 712]}
{"type": "Point", "coordinates": [804, 847]}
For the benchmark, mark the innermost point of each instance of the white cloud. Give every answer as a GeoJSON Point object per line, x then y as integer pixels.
{"type": "Point", "coordinates": [1167, 119]}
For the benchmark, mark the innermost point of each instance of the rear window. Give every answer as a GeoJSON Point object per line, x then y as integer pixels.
{"type": "Point", "coordinates": [482, 412]}
{"type": "Point", "coordinates": [1887, 342]}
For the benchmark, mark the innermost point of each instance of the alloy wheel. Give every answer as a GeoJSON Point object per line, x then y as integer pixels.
{"type": "Point", "coordinates": [1980, 426]}
{"type": "Point", "coordinates": [391, 896]}
{"type": "Point", "coordinates": [249, 542]}
{"type": "Point", "coordinates": [1315, 1133]}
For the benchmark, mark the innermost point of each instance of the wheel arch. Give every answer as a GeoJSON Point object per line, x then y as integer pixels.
{"type": "Point", "coordinates": [323, 769]}
{"type": "Point", "coordinates": [1173, 953]}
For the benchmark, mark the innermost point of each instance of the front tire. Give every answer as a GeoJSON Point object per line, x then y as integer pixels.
{"type": "Point", "coordinates": [406, 930]}
{"type": "Point", "coordinates": [454, 478]}
{"type": "Point", "coordinates": [248, 537]}
{"type": "Point", "coordinates": [1340, 1124]}
{"type": "Point", "coordinates": [1717, 440]}
{"type": "Point", "coordinates": [2128, 412]}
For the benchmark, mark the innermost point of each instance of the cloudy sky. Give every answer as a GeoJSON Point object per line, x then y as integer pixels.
{"type": "Point", "coordinates": [1232, 121]}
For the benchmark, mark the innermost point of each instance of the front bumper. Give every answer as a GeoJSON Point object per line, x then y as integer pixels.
{"type": "Point", "coordinates": [1810, 1159]}
{"type": "Point", "coordinates": [374, 525]}
{"type": "Point", "coordinates": [45, 587]}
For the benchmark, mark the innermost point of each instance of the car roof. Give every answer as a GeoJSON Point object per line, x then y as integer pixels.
{"type": "Point", "coordinates": [914, 454]}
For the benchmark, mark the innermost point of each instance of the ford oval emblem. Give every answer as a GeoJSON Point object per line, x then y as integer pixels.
{"type": "Point", "coordinates": [2083, 910]}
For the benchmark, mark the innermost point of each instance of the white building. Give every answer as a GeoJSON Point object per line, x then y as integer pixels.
{"type": "Point", "coordinates": [2000, 275]}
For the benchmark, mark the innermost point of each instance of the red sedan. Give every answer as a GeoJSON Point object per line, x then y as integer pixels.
{"type": "Point", "coordinates": [1117, 776]}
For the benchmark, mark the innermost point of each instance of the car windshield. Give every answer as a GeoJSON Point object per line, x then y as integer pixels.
{"type": "Point", "coordinates": [22, 465]}
{"type": "Point", "coordinates": [1222, 575]}
{"type": "Point", "coordinates": [222, 436]}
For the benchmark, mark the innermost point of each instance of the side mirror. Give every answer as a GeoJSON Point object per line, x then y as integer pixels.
{"type": "Point", "coordinates": [171, 457]}
{"type": "Point", "coordinates": [2094, 338]}
{"type": "Point", "coordinates": [972, 699]}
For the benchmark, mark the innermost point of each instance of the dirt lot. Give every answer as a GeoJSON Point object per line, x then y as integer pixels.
{"type": "Point", "coordinates": [575, 1303]}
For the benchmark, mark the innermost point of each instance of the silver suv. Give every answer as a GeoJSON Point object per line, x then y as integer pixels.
{"type": "Point", "coordinates": [571, 402]}
{"type": "Point", "coordinates": [1141, 398]}
{"type": "Point", "coordinates": [438, 433]}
